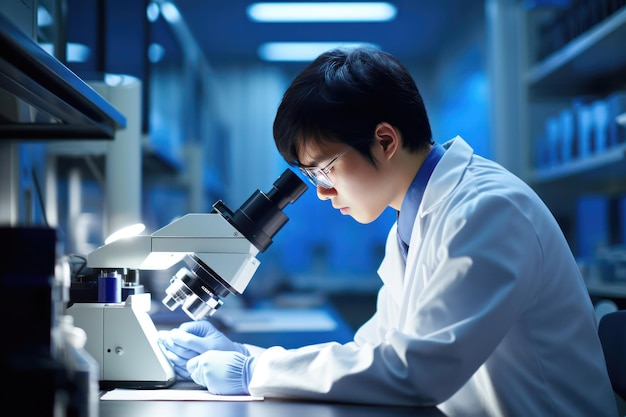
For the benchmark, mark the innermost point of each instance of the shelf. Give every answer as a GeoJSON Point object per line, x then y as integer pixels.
{"type": "Point", "coordinates": [584, 58]}
{"type": "Point", "coordinates": [610, 163]}
{"type": "Point", "coordinates": [64, 105]}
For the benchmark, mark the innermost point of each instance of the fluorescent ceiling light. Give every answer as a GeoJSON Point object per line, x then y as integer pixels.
{"type": "Point", "coordinates": [322, 12]}
{"type": "Point", "coordinates": [301, 51]}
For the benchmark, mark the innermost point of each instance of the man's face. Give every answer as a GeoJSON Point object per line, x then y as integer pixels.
{"type": "Point", "coordinates": [359, 189]}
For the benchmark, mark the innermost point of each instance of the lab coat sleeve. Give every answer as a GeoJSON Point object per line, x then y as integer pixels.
{"type": "Point", "coordinates": [254, 350]}
{"type": "Point", "coordinates": [470, 283]}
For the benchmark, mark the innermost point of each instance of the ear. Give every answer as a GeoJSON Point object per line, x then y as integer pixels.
{"type": "Point", "coordinates": [387, 139]}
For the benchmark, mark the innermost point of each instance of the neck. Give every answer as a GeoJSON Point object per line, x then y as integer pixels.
{"type": "Point", "coordinates": [406, 165]}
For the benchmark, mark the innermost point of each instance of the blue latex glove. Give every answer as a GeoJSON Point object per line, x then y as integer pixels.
{"type": "Point", "coordinates": [191, 339]}
{"type": "Point", "coordinates": [221, 372]}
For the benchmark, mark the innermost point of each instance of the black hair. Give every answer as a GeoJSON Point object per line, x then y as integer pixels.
{"type": "Point", "coordinates": [342, 96]}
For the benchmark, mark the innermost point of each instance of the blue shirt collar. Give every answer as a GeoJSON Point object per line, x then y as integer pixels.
{"type": "Point", "coordinates": [413, 197]}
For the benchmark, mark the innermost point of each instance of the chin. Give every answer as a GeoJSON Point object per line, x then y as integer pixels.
{"type": "Point", "coordinates": [365, 217]}
{"type": "Point", "coordinates": [364, 220]}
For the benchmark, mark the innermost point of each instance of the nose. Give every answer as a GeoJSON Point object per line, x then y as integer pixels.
{"type": "Point", "coordinates": [325, 193]}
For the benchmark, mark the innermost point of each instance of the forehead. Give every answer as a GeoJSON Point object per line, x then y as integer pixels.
{"type": "Point", "coordinates": [312, 152]}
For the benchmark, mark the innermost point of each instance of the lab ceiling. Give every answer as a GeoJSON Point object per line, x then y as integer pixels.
{"type": "Point", "coordinates": [222, 30]}
{"type": "Point", "coordinates": [225, 34]}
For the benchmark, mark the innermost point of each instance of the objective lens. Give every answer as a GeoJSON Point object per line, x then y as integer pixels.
{"type": "Point", "coordinates": [177, 292]}
{"type": "Point", "coordinates": [196, 308]}
{"type": "Point", "coordinates": [188, 289]}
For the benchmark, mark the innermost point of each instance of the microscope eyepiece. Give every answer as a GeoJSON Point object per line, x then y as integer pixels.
{"type": "Point", "coordinates": [260, 217]}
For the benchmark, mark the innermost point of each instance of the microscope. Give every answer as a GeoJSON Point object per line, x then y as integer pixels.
{"type": "Point", "coordinates": [218, 251]}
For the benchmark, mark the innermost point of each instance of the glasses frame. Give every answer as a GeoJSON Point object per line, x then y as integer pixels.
{"type": "Point", "coordinates": [319, 176]}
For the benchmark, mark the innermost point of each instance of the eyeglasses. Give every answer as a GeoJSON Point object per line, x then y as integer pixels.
{"type": "Point", "coordinates": [319, 176]}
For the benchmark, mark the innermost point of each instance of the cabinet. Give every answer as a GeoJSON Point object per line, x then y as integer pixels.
{"type": "Point", "coordinates": [587, 69]}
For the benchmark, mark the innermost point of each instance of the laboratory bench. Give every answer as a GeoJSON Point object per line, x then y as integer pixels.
{"type": "Point", "coordinates": [264, 408]}
{"type": "Point", "coordinates": [263, 327]}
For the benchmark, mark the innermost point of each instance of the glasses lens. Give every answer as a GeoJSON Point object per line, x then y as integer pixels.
{"type": "Point", "coordinates": [322, 179]}
{"type": "Point", "coordinates": [317, 177]}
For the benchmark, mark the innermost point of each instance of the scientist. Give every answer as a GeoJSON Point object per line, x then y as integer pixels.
{"type": "Point", "coordinates": [482, 309]}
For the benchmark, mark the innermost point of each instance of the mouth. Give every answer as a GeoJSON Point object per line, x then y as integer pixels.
{"type": "Point", "coordinates": [343, 210]}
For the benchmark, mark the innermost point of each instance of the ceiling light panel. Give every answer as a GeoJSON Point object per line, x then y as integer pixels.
{"type": "Point", "coordinates": [301, 51]}
{"type": "Point", "coordinates": [322, 12]}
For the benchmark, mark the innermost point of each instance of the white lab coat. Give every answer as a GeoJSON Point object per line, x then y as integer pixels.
{"type": "Point", "coordinates": [490, 316]}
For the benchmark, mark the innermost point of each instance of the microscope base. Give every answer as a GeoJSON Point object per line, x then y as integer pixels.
{"type": "Point", "coordinates": [122, 338]}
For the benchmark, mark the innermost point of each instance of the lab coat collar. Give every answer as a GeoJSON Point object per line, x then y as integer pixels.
{"type": "Point", "coordinates": [392, 268]}
{"type": "Point", "coordinates": [446, 175]}
{"type": "Point", "coordinates": [413, 197]}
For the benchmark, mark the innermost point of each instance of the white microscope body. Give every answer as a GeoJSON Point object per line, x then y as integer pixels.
{"type": "Point", "coordinates": [122, 338]}
{"type": "Point", "coordinates": [219, 249]}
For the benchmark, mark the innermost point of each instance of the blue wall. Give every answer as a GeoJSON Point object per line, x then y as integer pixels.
{"type": "Point", "coordinates": [460, 91]}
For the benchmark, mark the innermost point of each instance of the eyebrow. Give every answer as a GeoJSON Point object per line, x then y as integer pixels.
{"type": "Point", "coordinates": [315, 161]}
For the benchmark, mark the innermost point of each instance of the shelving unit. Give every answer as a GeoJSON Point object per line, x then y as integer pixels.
{"type": "Point", "coordinates": [594, 58]}
{"type": "Point", "coordinates": [604, 166]}
{"type": "Point", "coordinates": [65, 105]}
{"type": "Point", "coordinates": [593, 64]}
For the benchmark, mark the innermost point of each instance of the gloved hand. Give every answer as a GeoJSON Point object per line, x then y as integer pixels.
{"type": "Point", "coordinates": [223, 373]}
{"type": "Point", "coordinates": [191, 339]}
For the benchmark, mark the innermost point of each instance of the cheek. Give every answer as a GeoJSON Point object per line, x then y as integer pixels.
{"type": "Point", "coordinates": [366, 196]}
